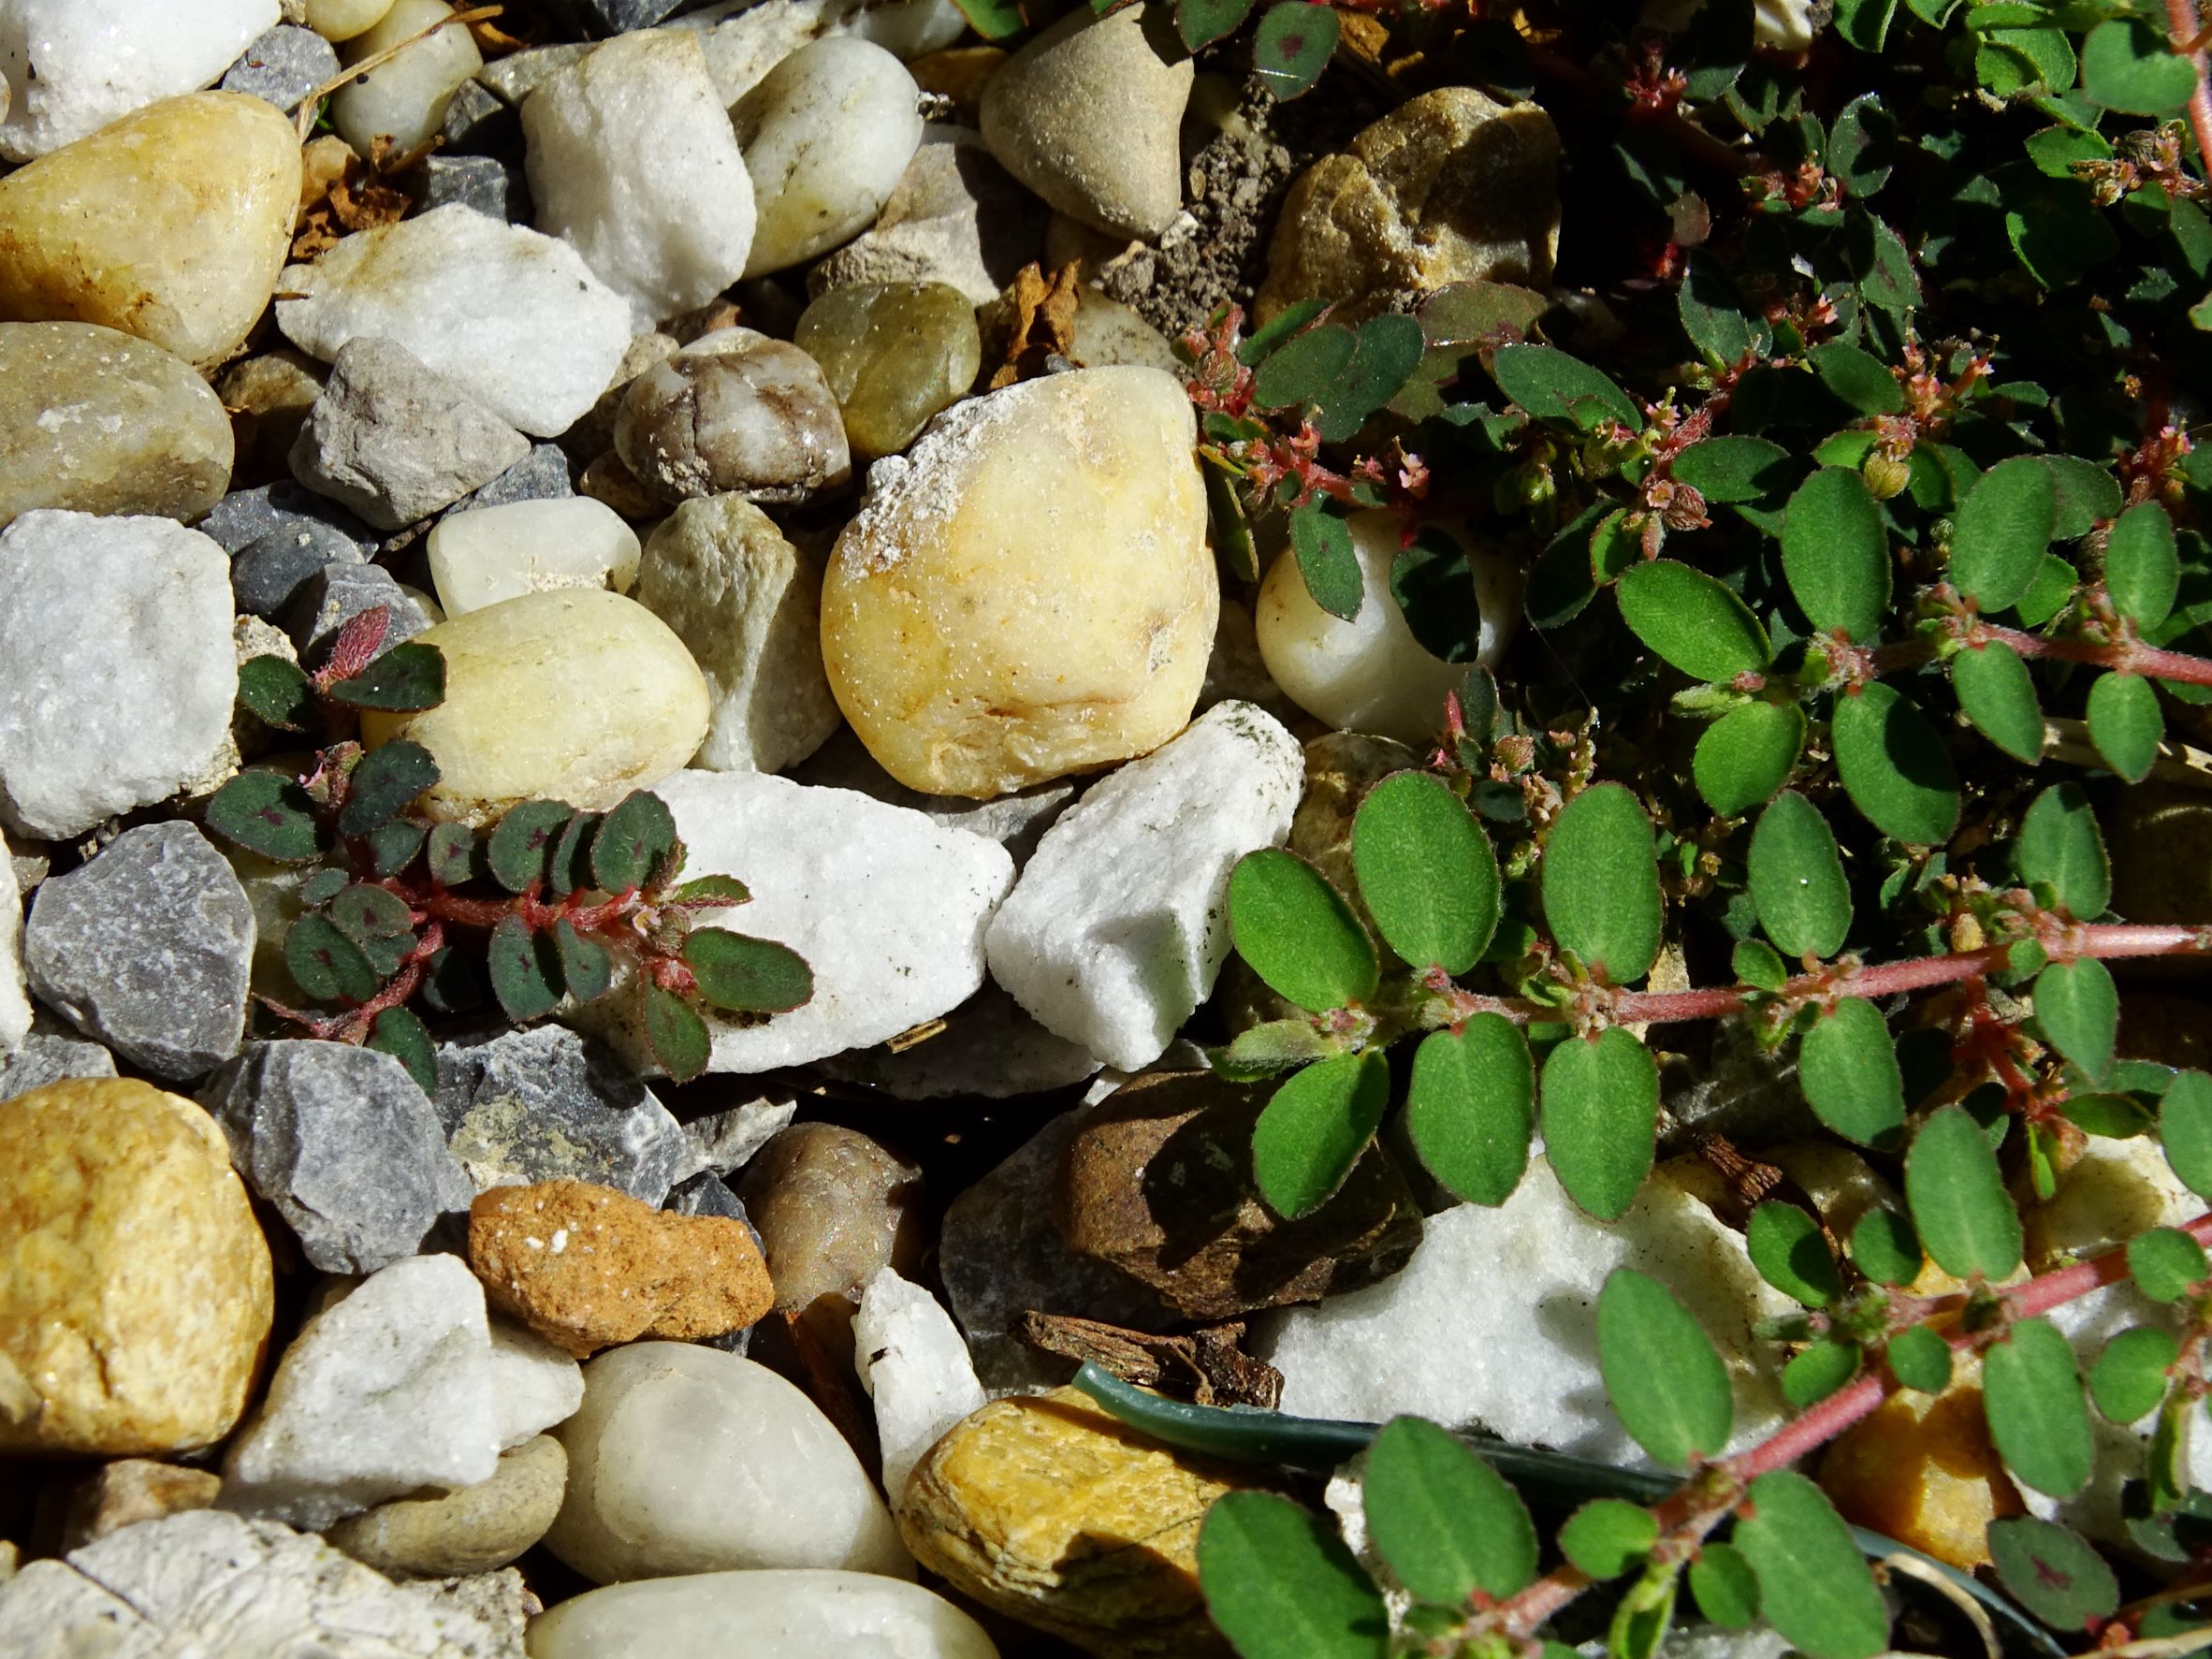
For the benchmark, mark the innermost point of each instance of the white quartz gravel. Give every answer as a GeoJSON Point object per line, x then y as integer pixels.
{"type": "Point", "coordinates": [72, 66]}
{"type": "Point", "coordinates": [913, 1362]}
{"type": "Point", "coordinates": [487, 554]}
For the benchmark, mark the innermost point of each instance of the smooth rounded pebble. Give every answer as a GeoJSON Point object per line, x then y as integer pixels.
{"type": "Point", "coordinates": [338, 21]}
{"type": "Point", "coordinates": [688, 1459]}
{"type": "Point", "coordinates": [788, 1613]}
{"type": "Point", "coordinates": [402, 101]}
{"type": "Point", "coordinates": [894, 354]}
{"type": "Point", "coordinates": [482, 557]}
{"type": "Point", "coordinates": [476, 1529]}
{"type": "Point", "coordinates": [734, 413]}
{"type": "Point", "coordinates": [571, 696]}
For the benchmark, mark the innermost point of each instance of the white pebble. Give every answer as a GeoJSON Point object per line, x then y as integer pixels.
{"type": "Point", "coordinates": [71, 66]}
{"type": "Point", "coordinates": [1371, 674]}
{"type": "Point", "coordinates": [825, 134]}
{"type": "Point", "coordinates": [494, 553]}
{"type": "Point", "coordinates": [784, 1613]}
{"type": "Point", "coordinates": [403, 100]}
{"type": "Point", "coordinates": [745, 39]}
{"type": "Point", "coordinates": [338, 21]}
{"type": "Point", "coordinates": [632, 161]}
{"type": "Point", "coordinates": [914, 1365]}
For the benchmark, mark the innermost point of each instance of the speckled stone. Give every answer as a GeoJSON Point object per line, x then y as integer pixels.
{"type": "Point", "coordinates": [734, 412]}
{"type": "Point", "coordinates": [894, 354]}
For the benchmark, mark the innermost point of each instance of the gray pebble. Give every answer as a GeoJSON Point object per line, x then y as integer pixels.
{"type": "Point", "coordinates": [479, 121]}
{"type": "Point", "coordinates": [492, 187]}
{"type": "Point", "coordinates": [49, 1056]}
{"type": "Point", "coordinates": [337, 593]}
{"type": "Point", "coordinates": [614, 17]}
{"type": "Point", "coordinates": [245, 517]}
{"type": "Point", "coordinates": [542, 476]}
{"type": "Point", "coordinates": [283, 67]}
{"type": "Point", "coordinates": [268, 574]}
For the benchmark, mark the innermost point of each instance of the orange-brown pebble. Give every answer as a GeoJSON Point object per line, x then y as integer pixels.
{"type": "Point", "coordinates": [587, 1266]}
{"type": "Point", "coordinates": [1921, 1469]}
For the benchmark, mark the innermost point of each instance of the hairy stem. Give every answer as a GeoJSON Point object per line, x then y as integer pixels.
{"type": "Point", "coordinates": [2181, 17]}
{"type": "Point", "coordinates": [2128, 656]}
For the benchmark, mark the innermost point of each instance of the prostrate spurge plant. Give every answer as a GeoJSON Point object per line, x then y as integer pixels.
{"type": "Point", "coordinates": [549, 905]}
{"type": "Point", "coordinates": [1905, 523]}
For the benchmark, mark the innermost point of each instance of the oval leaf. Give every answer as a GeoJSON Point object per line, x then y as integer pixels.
{"type": "Point", "coordinates": [2033, 1397]}
{"type": "Point", "coordinates": [1813, 1583]}
{"type": "Point", "coordinates": [2078, 1008]}
{"type": "Point", "coordinates": [1445, 1519]}
{"type": "Point", "coordinates": [1884, 1248]}
{"type": "Point", "coordinates": [1999, 535]}
{"type": "Point", "coordinates": [2059, 846]}
{"type": "Point", "coordinates": [1607, 1536]}
{"type": "Point", "coordinates": [1314, 1128]}
{"type": "Point", "coordinates": [2054, 1575]}
{"type": "Point", "coordinates": [1787, 1247]}
{"type": "Point", "coordinates": [400, 1033]}
{"type": "Point", "coordinates": [746, 975]}
{"type": "Point", "coordinates": [1920, 1359]}
{"type": "Point", "coordinates": [1847, 1066]}
{"type": "Point", "coordinates": [2184, 1129]}
{"type": "Point", "coordinates": [382, 783]}
{"type": "Point", "coordinates": [1958, 1199]}
{"type": "Point", "coordinates": [1292, 46]}
{"type": "Point", "coordinates": [1280, 1584]}
{"type": "Point", "coordinates": [1835, 553]}
{"type": "Point", "coordinates": [1817, 1371]}
{"type": "Point", "coordinates": [269, 813]}
{"type": "Point", "coordinates": [1297, 932]}
{"type": "Point", "coordinates": [1427, 872]}
{"type": "Point", "coordinates": [520, 849]}
{"type": "Point", "coordinates": [630, 841]}
{"type": "Point", "coordinates": [1733, 469]}
{"type": "Point", "coordinates": [1551, 386]}
{"type": "Point", "coordinates": [1697, 624]}
{"type": "Point", "coordinates": [1471, 1108]}
{"type": "Point", "coordinates": [2125, 724]}
{"type": "Point", "coordinates": [1601, 1114]}
{"type": "Point", "coordinates": [1797, 879]}
{"type": "Point", "coordinates": [327, 964]}
{"type": "Point", "coordinates": [1322, 546]}
{"type": "Point", "coordinates": [2127, 65]}
{"type": "Point", "coordinates": [1747, 754]}
{"type": "Point", "coordinates": [2167, 1264]}
{"type": "Point", "coordinates": [2142, 571]}
{"type": "Point", "coordinates": [1601, 884]}
{"type": "Point", "coordinates": [676, 1034]}
{"type": "Point", "coordinates": [1895, 767]}
{"type": "Point", "coordinates": [1725, 1586]}
{"type": "Point", "coordinates": [2130, 1377]}
{"type": "Point", "coordinates": [405, 680]}
{"type": "Point", "coordinates": [1994, 689]}
{"type": "Point", "coordinates": [525, 967]}
{"type": "Point", "coordinates": [1661, 1371]}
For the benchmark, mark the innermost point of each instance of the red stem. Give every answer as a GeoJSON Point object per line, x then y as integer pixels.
{"type": "Point", "coordinates": [2181, 16]}
{"type": "Point", "coordinates": [2129, 656]}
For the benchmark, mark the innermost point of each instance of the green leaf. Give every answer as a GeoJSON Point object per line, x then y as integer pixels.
{"type": "Point", "coordinates": [1433, 589]}
{"type": "Point", "coordinates": [2032, 1398]}
{"type": "Point", "coordinates": [378, 922]}
{"type": "Point", "coordinates": [269, 813]}
{"type": "Point", "coordinates": [1786, 1248]}
{"type": "Point", "coordinates": [676, 1034]}
{"type": "Point", "coordinates": [1601, 1113]}
{"type": "Point", "coordinates": [521, 847]}
{"type": "Point", "coordinates": [1296, 933]}
{"type": "Point", "coordinates": [2116, 1118]}
{"type": "Point", "coordinates": [2125, 724]}
{"type": "Point", "coordinates": [405, 680]}
{"type": "Point", "coordinates": [633, 839]}
{"type": "Point", "coordinates": [1322, 544]}
{"type": "Point", "coordinates": [1200, 23]}
{"type": "Point", "coordinates": [1747, 754]}
{"type": "Point", "coordinates": [1270, 335]}
{"type": "Point", "coordinates": [277, 691]}
{"type": "Point", "coordinates": [1427, 872]}
{"type": "Point", "coordinates": [1314, 1128]}
{"type": "Point", "coordinates": [1641, 1617]}
{"type": "Point", "coordinates": [1270, 1047]}
{"type": "Point", "coordinates": [525, 967]}
{"type": "Point", "coordinates": [1601, 884]}
{"type": "Point", "coordinates": [2061, 848]}
{"type": "Point", "coordinates": [1607, 1536]}
{"type": "Point", "coordinates": [1548, 384]}
{"type": "Point", "coordinates": [2167, 1263]}
{"type": "Point", "coordinates": [1714, 314]}
{"type": "Point", "coordinates": [397, 1032]}
{"type": "Point", "coordinates": [711, 890]}
{"type": "Point", "coordinates": [1920, 1359]}
{"type": "Point", "coordinates": [2084, 491]}
{"type": "Point", "coordinates": [2127, 65]}
{"type": "Point", "coordinates": [2185, 1130]}
{"type": "Point", "coordinates": [2078, 1008]}
{"type": "Point", "coordinates": [1885, 1248]}
{"type": "Point", "coordinates": [1756, 964]}
{"type": "Point", "coordinates": [1390, 350]}
{"type": "Point", "coordinates": [1865, 24]}
{"type": "Point", "coordinates": [1887, 279]}
{"type": "Point", "coordinates": [2055, 1575]}
{"type": "Point", "coordinates": [1471, 1107]}
{"type": "Point", "coordinates": [1894, 765]}
{"type": "Point", "coordinates": [1280, 1584]}
{"type": "Point", "coordinates": [568, 867]}
{"type": "Point", "coordinates": [1230, 530]}
{"type": "Point", "coordinates": [1813, 1583]}
{"type": "Point", "coordinates": [381, 784]}
{"type": "Point", "coordinates": [326, 963]}
{"type": "Point", "coordinates": [2001, 531]}
{"type": "Point", "coordinates": [1661, 1371]}
{"type": "Point", "coordinates": [2050, 593]}
{"type": "Point", "coordinates": [1726, 1586]}
{"type": "Point", "coordinates": [1694, 621]}
{"type": "Point", "coordinates": [1819, 1371]}
{"type": "Point", "coordinates": [2142, 571]}
{"type": "Point", "coordinates": [1797, 879]}
{"type": "Point", "coordinates": [585, 965]}
{"type": "Point", "coordinates": [1835, 553]}
{"type": "Point", "coordinates": [1857, 377]}
{"type": "Point", "coordinates": [1292, 46]}
{"type": "Point", "coordinates": [1733, 469]}
{"type": "Point", "coordinates": [2128, 1379]}
{"type": "Point", "coordinates": [1444, 1520]}
{"type": "Point", "coordinates": [1959, 1207]}
{"type": "Point", "coordinates": [994, 19]}
{"type": "Point", "coordinates": [1993, 688]}
{"type": "Point", "coordinates": [1847, 1066]}
{"type": "Point", "coordinates": [392, 845]}
{"type": "Point", "coordinates": [746, 975]}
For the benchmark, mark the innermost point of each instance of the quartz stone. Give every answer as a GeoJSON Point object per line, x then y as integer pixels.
{"type": "Point", "coordinates": [894, 354]}
{"type": "Point", "coordinates": [734, 412]}
{"type": "Point", "coordinates": [403, 100]}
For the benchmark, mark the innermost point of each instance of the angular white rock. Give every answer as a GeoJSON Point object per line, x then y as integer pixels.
{"type": "Point", "coordinates": [688, 1459]}
{"type": "Point", "coordinates": [914, 1364]}
{"type": "Point", "coordinates": [533, 1383]}
{"type": "Point", "coordinates": [513, 317]}
{"type": "Point", "coordinates": [826, 134]}
{"type": "Point", "coordinates": [747, 606]}
{"type": "Point", "coordinates": [1493, 1323]}
{"type": "Point", "coordinates": [632, 161]}
{"type": "Point", "coordinates": [403, 99]}
{"type": "Point", "coordinates": [71, 66]}
{"type": "Point", "coordinates": [745, 39]}
{"type": "Point", "coordinates": [116, 671]}
{"type": "Point", "coordinates": [481, 557]}
{"type": "Point", "coordinates": [384, 1392]}
{"type": "Point", "coordinates": [790, 1614]}
{"type": "Point", "coordinates": [887, 906]}
{"type": "Point", "coordinates": [215, 1586]}
{"type": "Point", "coordinates": [15, 996]}
{"type": "Point", "coordinates": [1371, 674]}
{"type": "Point", "coordinates": [1118, 926]}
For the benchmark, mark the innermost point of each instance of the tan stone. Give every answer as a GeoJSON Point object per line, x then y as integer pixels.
{"type": "Point", "coordinates": [1049, 1511]}
{"type": "Point", "coordinates": [1450, 186]}
{"type": "Point", "coordinates": [134, 1286]}
{"type": "Point", "coordinates": [476, 1529]}
{"type": "Point", "coordinates": [1028, 592]}
{"type": "Point", "coordinates": [1922, 1469]}
{"type": "Point", "coordinates": [573, 695]}
{"type": "Point", "coordinates": [170, 224]}
{"type": "Point", "coordinates": [587, 1267]}
{"type": "Point", "coordinates": [2113, 1192]}
{"type": "Point", "coordinates": [832, 1208]}
{"type": "Point", "coordinates": [131, 1489]}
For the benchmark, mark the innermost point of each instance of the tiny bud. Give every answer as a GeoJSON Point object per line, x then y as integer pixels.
{"type": "Point", "coordinates": [1885, 475]}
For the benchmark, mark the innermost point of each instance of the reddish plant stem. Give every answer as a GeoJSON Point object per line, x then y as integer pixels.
{"type": "Point", "coordinates": [2181, 17]}
{"type": "Point", "coordinates": [2129, 656]}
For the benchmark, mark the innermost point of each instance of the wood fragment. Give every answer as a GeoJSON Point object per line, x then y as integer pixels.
{"type": "Point", "coordinates": [1204, 1366]}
